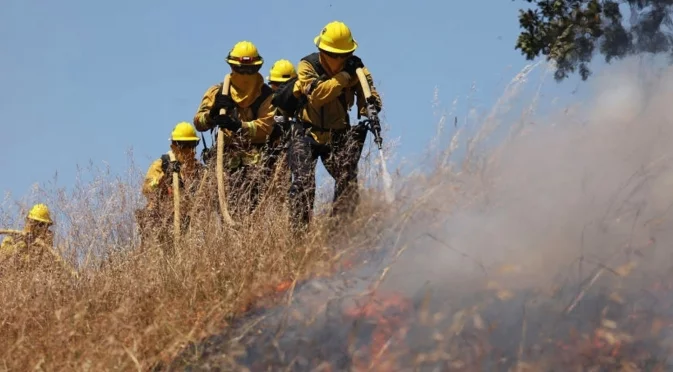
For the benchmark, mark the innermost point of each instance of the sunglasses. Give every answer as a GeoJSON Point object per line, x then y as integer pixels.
{"type": "Point", "coordinates": [336, 55]}
{"type": "Point", "coordinates": [186, 144]}
{"type": "Point", "coordinates": [40, 224]}
{"type": "Point", "coordinates": [246, 69]}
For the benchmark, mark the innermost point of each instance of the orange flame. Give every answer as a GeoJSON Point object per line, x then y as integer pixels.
{"type": "Point", "coordinates": [391, 315]}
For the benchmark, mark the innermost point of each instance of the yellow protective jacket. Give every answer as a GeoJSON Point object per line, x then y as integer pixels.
{"type": "Point", "coordinates": [255, 111]}
{"type": "Point", "coordinates": [329, 100]}
{"type": "Point", "coordinates": [256, 117]}
{"type": "Point", "coordinates": [11, 246]}
{"type": "Point", "coordinates": [158, 185]}
{"type": "Point", "coordinates": [32, 254]}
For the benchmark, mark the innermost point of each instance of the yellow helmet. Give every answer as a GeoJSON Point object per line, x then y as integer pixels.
{"type": "Point", "coordinates": [336, 37]}
{"type": "Point", "coordinates": [281, 71]}
{"type": "Point", "coordinates": [184, 132]}
{"type": "Point", "coordinates": [244, 53]}
{"type": "Point", "coordinates": [40, 213]}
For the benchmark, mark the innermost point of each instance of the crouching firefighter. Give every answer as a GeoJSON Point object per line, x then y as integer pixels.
{"type": "Point", "coordinates": [329, 81]}
{"type": "Point", "coordinates": [157, 219]}
{"type": "Point", "coordinates": [32, 247]}
{"type": "Point", "coordinates": [246, 124]}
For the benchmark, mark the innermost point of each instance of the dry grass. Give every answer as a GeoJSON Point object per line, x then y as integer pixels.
{"type": "Point", "coordinates": [133, 309]}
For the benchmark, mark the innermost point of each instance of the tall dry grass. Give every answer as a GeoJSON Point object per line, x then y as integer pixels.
{"type": "Point", "coordinates": [134, 309]}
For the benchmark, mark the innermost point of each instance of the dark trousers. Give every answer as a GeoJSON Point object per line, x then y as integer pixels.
{"type": "Point", "coordinates": [246, 184]}
{"type": "Point", "coordinates": [340, 158]}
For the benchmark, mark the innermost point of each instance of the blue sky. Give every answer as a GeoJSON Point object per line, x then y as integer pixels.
{"type": "Point", "coordinates": [85, 81]}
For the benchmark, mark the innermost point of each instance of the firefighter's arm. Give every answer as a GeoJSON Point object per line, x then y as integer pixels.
{"type": "Point", "coordinates": [153, 178]}
{"type": "Point", "coordinates": [361, 101]}
{"type": "Point", "coordinates": [320, 92]}
{"type": "Point", "coordinates": [261, 127]}
{"type": "Point", "coordinates": [7, 248]}
{"type": "Point", "coordinates": [202, 120]}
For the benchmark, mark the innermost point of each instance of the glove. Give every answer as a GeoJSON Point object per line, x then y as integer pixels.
{"type": "Point", "coordinates": [221, 102]}
{"type": "Point", "coordinates": [285, 100]}
{"type": "Point", "coordinates": [353, 63]}
{"type": "Point", "coordinates": [374, 102]}
{"type": "Point", "coordinates": [375, 125]}
{"type": "Point", "coordinates": [227, 122]}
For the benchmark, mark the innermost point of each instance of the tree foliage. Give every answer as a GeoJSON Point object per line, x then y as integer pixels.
{"type": "Point", "coordinates": [569, 31]}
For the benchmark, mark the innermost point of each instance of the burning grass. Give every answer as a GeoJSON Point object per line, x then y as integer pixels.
{"type": "Point", "coordinates": [620, 321]}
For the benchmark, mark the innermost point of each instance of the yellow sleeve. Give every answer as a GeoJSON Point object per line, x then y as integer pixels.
{"type": "Point", "coordinates": [361, 102]}
{"type": "Point", "coordinates": [260, 128]}
{"type": "Point", "coordinates": [7, 248]}
{"type": "Point", "coordinates": [153, 178]}
{"type": "Point", "coordinates": [320, 92]}
{"type": "Point", "coordinates": [296, 89]}
{"type": "Point", "coordinates": [202, 120]}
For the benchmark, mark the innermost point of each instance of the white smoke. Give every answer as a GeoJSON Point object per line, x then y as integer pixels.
{"type": "Point", "coordinates": [584, 187]}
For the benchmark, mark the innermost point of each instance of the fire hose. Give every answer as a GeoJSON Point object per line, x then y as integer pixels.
{"type": "Point", "coordinates": [176, 202]}
{"type": "Point", "coordinates": [372, 115]}
{"type": "Point", "coordinates": [374, 125]}
{"type": "Point", "coordinates": [220, 162]}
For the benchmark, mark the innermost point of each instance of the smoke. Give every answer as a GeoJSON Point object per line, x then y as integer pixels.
{"type": "Point", "coordinates": [581, 190]}
{"type": "Point", "coordinates": [588, 184]}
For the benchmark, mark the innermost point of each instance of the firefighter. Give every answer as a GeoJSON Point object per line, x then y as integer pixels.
{"type": "Point", "coordinates": [157, 216]}
{"type": "Point", "coordinates": [247, 124]}
{"type": "Point", "coordinates": [282, 72]}
{"type": "Point", "coordinates": [328, 80]}
{"type": "Point", "coordinates": [32, 247]}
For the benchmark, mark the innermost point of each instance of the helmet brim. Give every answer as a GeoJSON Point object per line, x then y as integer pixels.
{"type": "Point", "coordinates": [186, 139]}
{"type": "Point", "coordinates": [38, 219]}
{"type": "Point", "coordinates": [330, 49]}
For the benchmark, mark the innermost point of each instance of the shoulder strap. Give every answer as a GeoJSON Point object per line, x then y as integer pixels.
{"type": "Point", "coordinates": [314, 60]}
{"type": "Point", "coordinates": [266, 92]}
